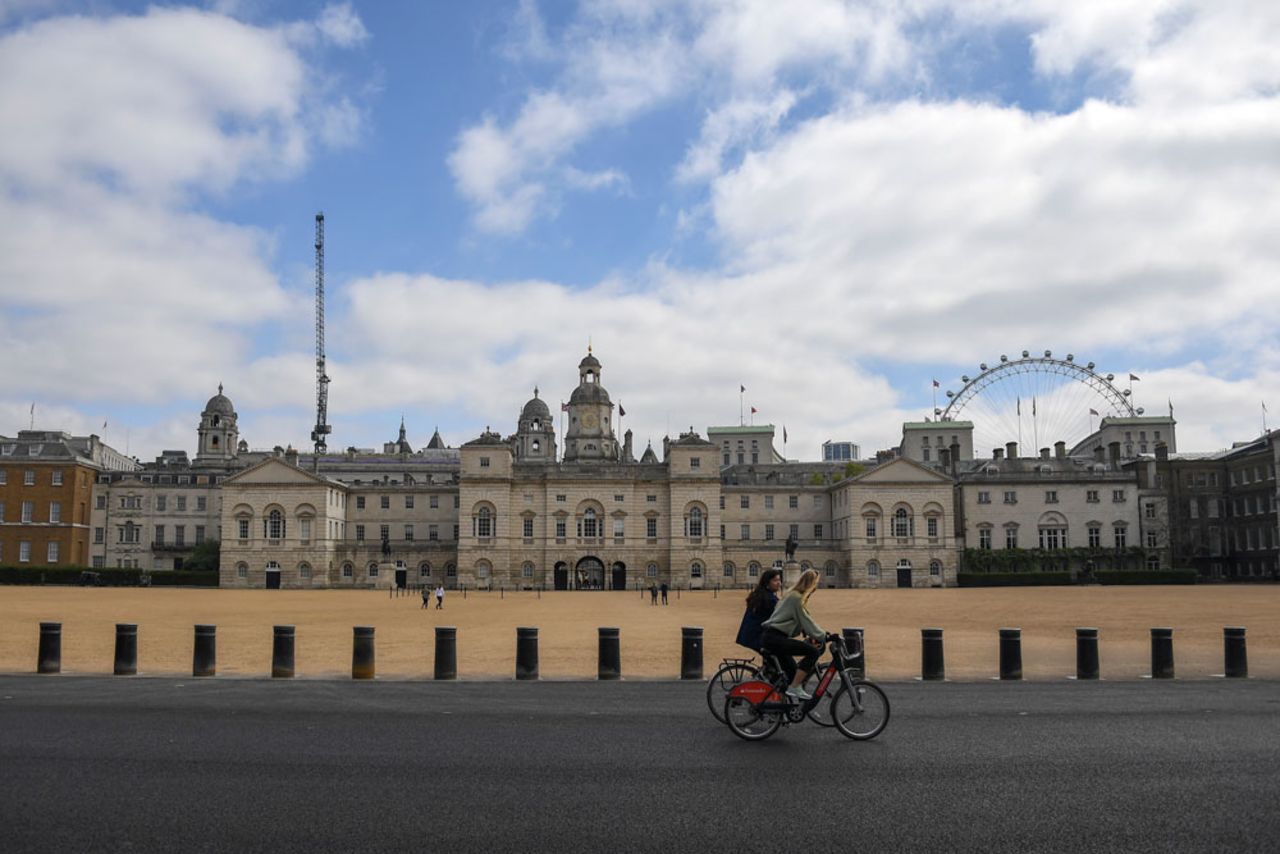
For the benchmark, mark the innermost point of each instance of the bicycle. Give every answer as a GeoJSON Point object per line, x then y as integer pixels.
{"type": "Point", "coordinates": [735, 671]}
{"type": "Point", "coordinates": [756, 708]}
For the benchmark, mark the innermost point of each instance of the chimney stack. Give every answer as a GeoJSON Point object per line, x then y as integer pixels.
{"type": "Point", "coordinates": [997, 453]}
{"type": "Point", "coordinates": [1060, 450]}
{"type": "Point", "coordinates": [1099, 454]}
{"type": "Point", "coordinates": [1162, 452]}
{"type": "Point", "coordinates": [944, 458]}
{"type": "Point", "coordinates": [1011, 448]}
{"type": "Point", "coordinates": [291, 456]}
{"type": "Point", "coordinates": [1044, 453]}
{"type": "Point", "coordinates": [1114, 448]}
{"type": "Point", "coordinates": [955, 457]}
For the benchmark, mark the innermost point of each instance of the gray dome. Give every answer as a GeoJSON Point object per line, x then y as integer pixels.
{"type": "Point", "coordinates": [589, 393]}
{"type": "Point", "coordinates": [589, 362]}
{"type": "Point", "coordinates": [535, 408]}
{"type": "Point", "coordinates": [220, 404]}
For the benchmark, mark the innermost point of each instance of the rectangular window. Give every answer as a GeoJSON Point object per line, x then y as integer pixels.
{"type": "Point", "coordinates": [433, 533]}
{"type": "Point", "coordinates": [28, 507]}
{"type": "Point", "coordinates": [1121, 536]}
{"type": "Point", "coordinates": [408, 533]}
{"type": "Point", "coordinates": [57, 477]}
{"type": "Point", "coordinates": [726, 458]}
{"type": "Point", "coordinates": [984, 538]}
{"type": "Point", "coordinates": [244, 528]}
{"type": "Point", "coordinates": [619, 528]}
{"type": "Point", "coordinates": [102, 502]}
{"type": "Point", "coordinates": [1095, 537]}
{"type": "Point", "coordinates": [384, 502]}
{"type": "Point", "coordinates": [695, 462]}
{"type": "Point", "coordinates": [618, 499]}
{"type": "Point", "coordinates": [795, 532]}
{"type": "Point", "coordinates": [182, 503]}
{"type": "Point", "coordinates": [1091, 496]}
{"type": "Point", "coordinates": [721, 502]}
{"type": "Point", "coordinates": [359, 502]}
{"type": "Point", "coordinates": [746, 532]}
{"type": "Point", "coordinates": [159, 535]}
{"type": "Point", "coordinates": [793, 501]}
{"type": "Point", "coordinates": [162, 503]}
{"type": "Point", "coordinates": [199, 534]}
{"type": "Point", "coordinates": [4, 477]}
{"type": "Point", "coordinates": [1010, 497]}
{"type": "Point", "coordinates": [434, 502]}
{"type": "Point", "coordinates": [768, 532]}
{"type": "Point", "coordinates": [1051, 496]}
{"type": "Point", "coordinates": [984, 497]}
{"type": "Point", "coordinates": [528, 528]}
{"type": "Point", "coordinates": [202, 503]}
{"type": "Point", "coordinates": [99, 535]}
{"type": "Point", "coordinates": [359, 533]}
{"type": "Point", "coordinates": [384, 532]}
{"type": "Point", "coordinates": [55, 511]}
{"type": "Point", "coordinates": [52, 552]}
{"type": "Point", "coordinates": [722, 533]}
{"type": "Point", "coordinates": [179, 535]}
{"type": "Point", "coordinates": [1150, 510]}
{"type": "Point", "coordinates": [871, 527]}
{"type": "Point", "coordinates": [484, 462]}
{"type": "Point", "coordinates": [99, 561]}
{"type": "Point", "coordinates": [1153, 541]}
{"type": "Point", "coordinates": [1010, 538]}
{"type": "Point", "coordinates": [526, 571]}
{"type": "Point", "coordinates": [1117, 496]}
{"type": "Point", "coordinates": [744, 502]}
{"type": "Point", "coordinates": [817, 501]}
{"type": "Point", "coordinates": [652, 499]}
{"type": "Point", "coordinates": [28, 479]}
{"type": "Point", "coordinates": [24, 552]}
{"type": "Point", "coordinates": [651, 528]}
{"type": "Point", "coordinates": [561, 528]}
{"type": "Point", "coordinates": [1050, 538]}
{"type": "Point", "coordinates": [457, 499]}
{"type": "Point", "coordinates": [408, 502]}
{"type": "Point", "coordinates": [932, 524]}
{"type": "Point", "coordinates": [817, 532]}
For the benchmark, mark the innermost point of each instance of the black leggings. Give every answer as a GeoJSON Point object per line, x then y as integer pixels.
{"type": "Point", "coordinates": [784, 648]}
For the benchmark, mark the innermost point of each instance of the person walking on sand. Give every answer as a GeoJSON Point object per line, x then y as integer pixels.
{"type": "Point", "coordinates": [426, 596]}
{"type": "Point", "coordinates": [440, 597]}
{"type": "Point", "coordinates": [664, 592]}
{"type": "Point", "coordinates": [653, 593]}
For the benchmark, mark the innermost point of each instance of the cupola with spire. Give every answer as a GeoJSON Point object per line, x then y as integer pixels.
{"type": "Point", "coordinates": [535, 439]}
{"type": "Point", "coordinates": [590, 436]}
{"type": "Point", "coordinates": [217, 437]}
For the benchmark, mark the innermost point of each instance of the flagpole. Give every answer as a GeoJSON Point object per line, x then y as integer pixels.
{"type": "Point", "coordinates": [742, 419]}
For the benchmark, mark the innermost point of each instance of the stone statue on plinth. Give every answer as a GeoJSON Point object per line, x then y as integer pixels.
{"type": "Point", "coordinates": [791, 568]}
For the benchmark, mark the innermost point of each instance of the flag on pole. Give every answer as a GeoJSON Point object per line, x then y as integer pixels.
{"type": "Point", "coordinates": [784, 430]}
{"type": "Point", "coordinates": [742, 389]}
{"type": "Point", "coordinates": [621, 412]}
{"type": "Point", "coordinates": [1134, 377]}
{"type": "Point", "coordinates": [564, 407]}
{"type": "Point", "coordinates": [937, 384]}
{"type": "Point", "coordinates": [104, 424]}
{"type": "Point", "coordinates": [1264, 406]}
{"type": "Point", "coordinates": [1093, 412]}
{"type": "Point", "coordinates": [1033, 406]}
{"type": "Point", "coordinates": [754, 410]}
{"type": "Point", "coordinates": [1019, 406]}
{"type": "Point", "coordinates": [33, 410]}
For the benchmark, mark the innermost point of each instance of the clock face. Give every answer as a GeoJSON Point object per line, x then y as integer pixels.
{"type": "Point", "coordinates": [589, 420]}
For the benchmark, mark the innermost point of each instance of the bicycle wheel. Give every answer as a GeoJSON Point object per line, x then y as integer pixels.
{"type": "Point", "coordinates": [747, 721]}
{"type": "Point", "coordinates": [860, 710]}
{"type": "Point", "coordinates": [821, 713]}
{"type": "Point", "coordinates": [723, 680]}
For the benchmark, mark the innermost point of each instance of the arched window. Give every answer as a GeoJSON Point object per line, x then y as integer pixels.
{"type": "Point", "coordinates": [537, 445]}
{"type": "Point", "coordinates": [484, 523]}
{"type": "Point", "coordinates": [935, 568]}
{"type": "Point", "coordinates": [242, 570]}
{"type": "Point", "coordinates": [728, 569]}
{"type": "Point", "coordinates": [589, 524]}
{"type": "Point", "coordinates": [304, 570]}
{"type": "Point", "coordinates": [831, 569]}
{"type": "Point", "coordinates": [873, 569]}
{"type": "Point", "coordinates": [526, 570]}
{"type": "Point", "coordinates": [483, 569]}
{"type": "Point", "coordinates": [901, 522]}
{"type": "Point", "coordinates": [695, 570]}
{"type": "Point", "coordinates": [651, 570]}
{"type": "Point", "coordinates": [695, 522]}
{"type": "Point", "coordinates": [373, 570]}
{"type": "Point", "coordinates": [348, 570]}
{"type": "Point", "coordinates": [424, 570]}
{"type": "Point", "coordinates": [904, 564]}
{"type": "Point", "coordinates": [274, 525]}
{"type": "Point", "coordinates": [753, 569]}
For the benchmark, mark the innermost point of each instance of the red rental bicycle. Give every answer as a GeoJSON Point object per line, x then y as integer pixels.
{"type": "Point", "coordinates": [755, 709]}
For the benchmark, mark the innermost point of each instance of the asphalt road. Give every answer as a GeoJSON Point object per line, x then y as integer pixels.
{"type": "Point", "coordinates": [119, 764]}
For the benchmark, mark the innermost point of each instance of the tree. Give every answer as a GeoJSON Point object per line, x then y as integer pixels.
{"type": "Point", "coordinates": [853, 469]}
{"type": "Point", "coordinates": [205, 557]}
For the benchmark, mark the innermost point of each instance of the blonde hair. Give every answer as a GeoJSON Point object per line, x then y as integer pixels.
{"type": "Point", "coordinates": [806, 584]}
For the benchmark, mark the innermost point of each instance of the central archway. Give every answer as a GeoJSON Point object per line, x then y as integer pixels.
{"type": "Point", "coordinates": [618, 579]}
{"type": "Point", "coordinates": [589, 574]}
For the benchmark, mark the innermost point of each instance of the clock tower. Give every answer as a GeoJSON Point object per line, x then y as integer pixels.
{"type": "Point", "coordinates": [590, 436]}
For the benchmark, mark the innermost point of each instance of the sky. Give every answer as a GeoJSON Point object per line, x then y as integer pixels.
{"type": "Point", "coordinates": [832, 204]}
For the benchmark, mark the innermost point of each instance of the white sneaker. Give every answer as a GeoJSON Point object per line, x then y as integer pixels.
{"type": "Point", "coordinates": [798, 693]}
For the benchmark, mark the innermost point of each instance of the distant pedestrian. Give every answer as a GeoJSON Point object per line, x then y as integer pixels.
{"type": "Point", "coordinates": [440, 597]}
{"type": "Point", "coordinates": [664, 592]}
{"type": "Point", "coordinates": [426, 596]}
{"type": "Point", "coordinates": [653, 593]}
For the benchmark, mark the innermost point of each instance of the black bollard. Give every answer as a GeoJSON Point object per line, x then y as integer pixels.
{"type": "Point", "coordinates": [362, 652]}
{"type": "Point", "coordinates": [1086, 653]}
{"type": "Point", "coordinates": [1235, 656]}
{"type": "Point", "coordinates": [204, 656]}
{"type": "Point", "coordinates": [1010, 654]}
{"type": "Point", "coordinates": [126, 649]}
{"type": "Point", "coordinates": [282, 653]}
{"type": "Point", "coordinates": [446, 652]}
{"type": "Point", "coordinates": [932, 667]}
{"type": "Point", "coordinates": [691, 652]}
{"type": "Point", "coordinates": [526, 653]}
{"type": "Point", "coordinates": [1162, 653]}
{"type": "Point", "coordinates": [855, 640]}
{"type": "Point", "coordinates": [610, 658]}
{"type": "Point", "coordinates": [49, 656]}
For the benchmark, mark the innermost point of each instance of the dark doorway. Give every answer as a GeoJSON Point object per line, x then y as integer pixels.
{"type": "Point", "coordinates": [402, 578]}
{"type": "Point", "coordinates": [562, 577]}
{"type": "Point", "coordinates": [904, 576]}
{"type": "Point", "coordinates": [589, 574]}
{"type": "Point", "coordinates": [619, 581]}
{"type": "Point", "coordinates": [273, 579]}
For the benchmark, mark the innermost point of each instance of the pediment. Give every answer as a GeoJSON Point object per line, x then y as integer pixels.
{"type": "Point", "coordinates": [274, 471]}
{"type": "Point", "coordinates": [902, 470]}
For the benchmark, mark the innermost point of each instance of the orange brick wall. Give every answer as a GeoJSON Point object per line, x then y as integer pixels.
{"type": "Point", "coordinates": [72, 533]}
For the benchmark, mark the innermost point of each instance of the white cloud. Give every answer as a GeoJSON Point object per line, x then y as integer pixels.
{"type": "Point", "coordinates": [340, 25]}
{"type": "Point", "coordinates": [733, 124]}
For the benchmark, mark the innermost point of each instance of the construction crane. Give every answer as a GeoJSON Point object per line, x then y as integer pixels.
{"type": "Point", "coordinates": [322, 427]}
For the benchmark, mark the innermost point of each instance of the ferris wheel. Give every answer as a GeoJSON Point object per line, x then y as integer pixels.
{"type": "Point", "coordinates": [1037, 399]}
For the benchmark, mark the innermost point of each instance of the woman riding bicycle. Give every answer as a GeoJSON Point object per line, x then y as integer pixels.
{"type": "Point", "coordinates": [791, 618]}
{"type": "Point", "coordinates": [760, 604]}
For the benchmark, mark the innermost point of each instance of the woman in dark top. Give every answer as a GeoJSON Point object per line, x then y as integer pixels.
{"type": "Point", "coordinates": [760, 605]}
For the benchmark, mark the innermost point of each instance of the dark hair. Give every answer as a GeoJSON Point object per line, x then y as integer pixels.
{"type": "Point", "coordinates": [760, 594]}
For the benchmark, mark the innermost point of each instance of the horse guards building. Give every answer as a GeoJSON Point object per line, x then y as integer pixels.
{"type": "Point", "coordinates": [520, 511]}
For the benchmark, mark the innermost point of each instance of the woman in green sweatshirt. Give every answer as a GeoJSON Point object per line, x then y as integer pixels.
{"type": "Point", "coordinates": [789, 619]}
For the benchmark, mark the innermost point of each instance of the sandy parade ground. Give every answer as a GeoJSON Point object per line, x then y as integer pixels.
{"type": "Point", "coordinates": [650, 636]}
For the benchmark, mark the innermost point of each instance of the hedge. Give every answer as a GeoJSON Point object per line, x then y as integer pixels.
{"type": "Point", "coordinates": [1146, 576]}
{"type": "Point", "coordinates": [114, 577]}
{"type": "Point", "coordinates": [1012, 579]}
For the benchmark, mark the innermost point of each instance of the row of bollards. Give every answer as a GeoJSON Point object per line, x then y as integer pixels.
{"type": "Point", "coordinates": [609, 662]}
